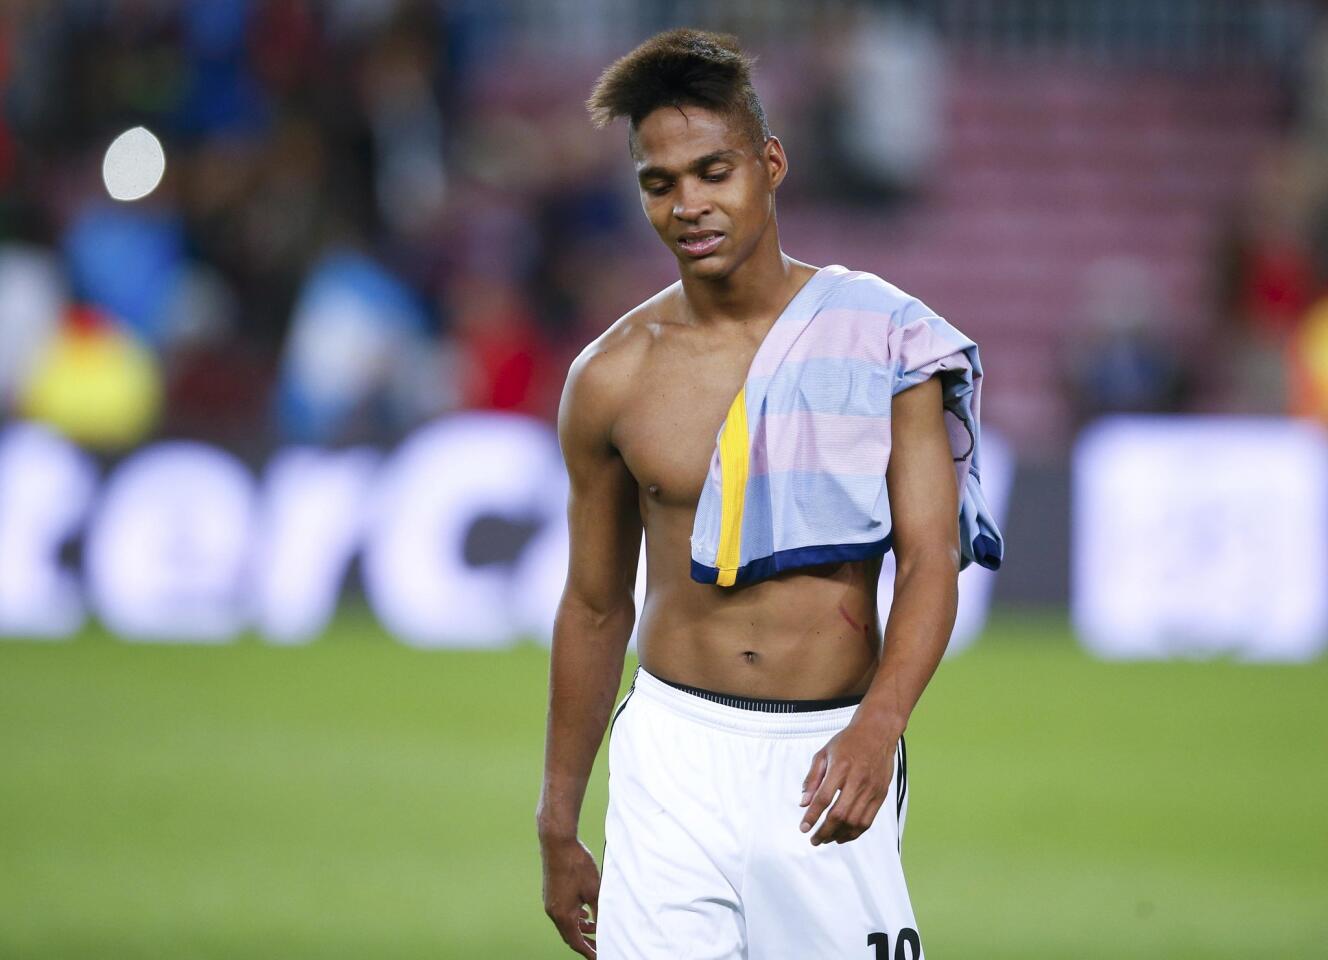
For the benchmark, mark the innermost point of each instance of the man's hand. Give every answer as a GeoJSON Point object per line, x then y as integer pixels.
{"type": "Point", "coordinates": [571, 885]}
{"type": "Point", "coordinates": [858, 762]}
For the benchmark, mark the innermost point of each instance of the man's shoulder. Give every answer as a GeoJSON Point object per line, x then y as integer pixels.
{"type": "Point", "coordinates": [606, 368]}
{"type": "Point", "coordinates": [612, 357]}
{"type": "Point", "coordinates": [864, 290]}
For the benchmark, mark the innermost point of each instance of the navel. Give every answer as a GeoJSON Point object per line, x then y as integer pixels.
{"type": "Point", "coordinates": [653, 489]}
{"type": "Point", "coordinates": [749, 656]}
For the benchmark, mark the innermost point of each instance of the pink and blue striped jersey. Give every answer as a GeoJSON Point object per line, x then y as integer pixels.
{"type": "Point", "coordinates": [798, 473]}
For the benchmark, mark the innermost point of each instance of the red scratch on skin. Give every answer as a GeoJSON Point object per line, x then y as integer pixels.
{"type": "Point", "coordinates": [853, 623]}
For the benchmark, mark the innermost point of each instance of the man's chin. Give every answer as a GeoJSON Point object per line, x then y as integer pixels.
{"type": "Point", "coordinates": [713, 267]}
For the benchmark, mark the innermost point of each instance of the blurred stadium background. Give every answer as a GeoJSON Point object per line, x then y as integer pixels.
{"type": "Point", "coordinates": [281, 506]}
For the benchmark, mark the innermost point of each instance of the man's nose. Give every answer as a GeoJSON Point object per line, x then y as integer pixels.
{"type": "Point", "coordinates": [691, 205]}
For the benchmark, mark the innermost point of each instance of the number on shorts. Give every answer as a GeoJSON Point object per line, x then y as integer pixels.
{"type": "Point", "coordinates": [907, 937]}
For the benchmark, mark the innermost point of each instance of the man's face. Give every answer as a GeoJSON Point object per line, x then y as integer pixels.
{"type": "Point", "coordinates": [707, 190]}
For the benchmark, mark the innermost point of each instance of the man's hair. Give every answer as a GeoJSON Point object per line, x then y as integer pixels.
{"type": "Point", "coordinates": [676, 68]}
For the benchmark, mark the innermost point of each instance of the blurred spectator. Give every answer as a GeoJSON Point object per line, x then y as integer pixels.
{"type": "Point", "coordinates": [32, 302]}
{"type": "Point", "coordinates": [357, 365]}
{"type": "Point", "coordinates": [127, 260]}
{"type": "Point", "coordinates": [343, 182]}
{"type": "Point", "coordinates": [1313, 98]}
{"type": "Point", "coordinates": [881, 125]}
{"type": "Point", "coordinates": [221, 94]}
{"type": "Point", "coordinates": [377, 210]}
{"type": "Point", "coordinates": [1275, 271]}
{"type": "Point", "coordinates": [407, 129]}
{"type": "Point", "coordinates": [504, 360]}
{"type": "Point", "coordinates": [94, 382]}
{"type": "Point", "coordinates": [1278, 265]}
{"type": "Point", "coordinates": [1121, 360]}
{"type": "Point", "coordinates": [1308, 360]}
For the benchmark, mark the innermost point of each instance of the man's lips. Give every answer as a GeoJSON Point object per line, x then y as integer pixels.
{"type": "Point", "coordinates": [700, 243]}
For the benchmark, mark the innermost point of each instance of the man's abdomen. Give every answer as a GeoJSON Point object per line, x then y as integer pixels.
{"type": "Point", "coordinates": [805, 635]}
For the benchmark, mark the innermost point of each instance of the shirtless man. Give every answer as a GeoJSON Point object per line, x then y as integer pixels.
{"type": "Point", "coordinates": [711, 849]}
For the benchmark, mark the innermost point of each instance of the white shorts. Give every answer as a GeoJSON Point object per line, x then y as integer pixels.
{"type": "Point", "coordinates": [703, 857]}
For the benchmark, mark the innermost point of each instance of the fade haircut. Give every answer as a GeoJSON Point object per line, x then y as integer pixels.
{"type": "Point", "coordinates": [677, 68]}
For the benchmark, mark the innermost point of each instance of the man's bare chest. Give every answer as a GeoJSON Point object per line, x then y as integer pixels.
{"type": "Point", "coordinates": [666, 431]}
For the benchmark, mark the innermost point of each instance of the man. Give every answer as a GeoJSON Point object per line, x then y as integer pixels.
{"type": "Point", "coordinates": [757, 790]}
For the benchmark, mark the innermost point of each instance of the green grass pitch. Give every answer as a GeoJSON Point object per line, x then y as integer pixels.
{"type": "Point", "coordinates": [356, 798]}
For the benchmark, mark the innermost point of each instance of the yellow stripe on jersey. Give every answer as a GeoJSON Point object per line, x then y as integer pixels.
{"type": "Point", "coordinates": [733, 452]}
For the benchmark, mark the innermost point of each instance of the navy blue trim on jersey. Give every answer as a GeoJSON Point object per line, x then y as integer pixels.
{"type": "Point", "coordinates": [987, 552]}
{"type": "Point", "coordinates": [763, 568]}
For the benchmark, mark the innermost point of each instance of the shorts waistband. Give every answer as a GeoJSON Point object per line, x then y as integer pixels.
{"type": "Point", "coordinates": [765, 705]}
{"type": "Point", "coordinates": [767, 718]}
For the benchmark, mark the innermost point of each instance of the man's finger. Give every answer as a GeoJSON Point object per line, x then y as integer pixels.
{"type": "Point", "coordinates": [865, 817]}
{"type": "Point", "coordinates": [834, 823]}
{"type": "Point", "coordinates": [859, 817]}
{"type": "Point", "coordinates": [844, 820]}
{"type": "Point", "coordinates": [869, 799]}
{"type": "Point", "coordinates": [823, 797]}
{"type": "Point", "coordinates": [572, 936]}
{"type": "Point", "coordinates": [812, 781]}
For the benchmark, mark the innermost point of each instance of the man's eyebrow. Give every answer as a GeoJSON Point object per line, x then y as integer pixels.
{"type": "Point", "coordinates": [696, 166]}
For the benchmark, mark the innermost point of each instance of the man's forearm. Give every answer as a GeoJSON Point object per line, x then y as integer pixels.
{"type": "Point", "coordinates": [921, 618]}
{"type": "Point", "coordinates": [585, 671]}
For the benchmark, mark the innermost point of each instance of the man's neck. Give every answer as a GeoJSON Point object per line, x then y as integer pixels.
{"type": "Point", "coordinates": [760, 287]}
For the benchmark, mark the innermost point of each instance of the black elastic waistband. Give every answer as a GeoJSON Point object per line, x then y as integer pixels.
{"type": "Point", "coordinates": [765, 705]}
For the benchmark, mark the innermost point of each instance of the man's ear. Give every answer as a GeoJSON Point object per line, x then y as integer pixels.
{"type": "Point", "coordinates": [776, 162]}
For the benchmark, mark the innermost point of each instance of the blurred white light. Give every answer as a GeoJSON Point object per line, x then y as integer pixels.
{"type": "Point", "coordinates": [167, 553]}
{"type": "Point", "coordinates": [314, 513]}
{"type": "Point", "coordinates": [46, 487]}
{"type": "Point", "coordinates": [429, 495]}
{"type": "Point", "coordinates": [134, 164]}
{"type": "Point", "coordinates": [1201, 536]}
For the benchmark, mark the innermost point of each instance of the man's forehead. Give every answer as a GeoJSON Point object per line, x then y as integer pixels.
{"type": "Point", "coordinates": [676, 136]}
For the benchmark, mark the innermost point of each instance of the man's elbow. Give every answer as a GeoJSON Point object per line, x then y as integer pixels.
{"type": "Point", "coordinates": [932, 560]}
{"type": "Point", "coordinates": [598, 612]}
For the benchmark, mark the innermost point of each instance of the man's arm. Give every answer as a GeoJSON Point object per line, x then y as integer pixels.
{"type": "Point", "coordinates": [924, 508]}
{"type": "Point", "coordinates": [590, 634]}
